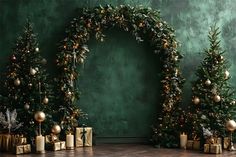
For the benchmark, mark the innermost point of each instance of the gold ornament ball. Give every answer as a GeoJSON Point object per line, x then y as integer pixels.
{"type": "Point", "coordinates": [208, 82]}
{"type": "Point", "coordinates": [39, 116]}
{"type": "Point", "coordinates": [45, 100]}
{"type": "Point", "coordinates": [33, 71]}
{"type": "Point", "coordinates": [226, 74]}
{"type": "Point", "coordinates": [196, 100]}
{"type": "Point", "coordinates": [56, 129]}
{"type": "Point", "coordinates": [231, 125]}
{"type": "Point", "coordinates": [217, 98]}
{"type": "Point", "coordinates": [17, 82]}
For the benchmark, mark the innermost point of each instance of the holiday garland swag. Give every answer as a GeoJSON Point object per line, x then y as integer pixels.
{"type": "Point", "coordinates": [143, 24]}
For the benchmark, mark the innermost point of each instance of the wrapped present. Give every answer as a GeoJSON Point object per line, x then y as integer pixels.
{"type": "Point", "coordinates": [55, 146]}
{"type": "Point", "coordinates": [83, 136]}
{"type": "Point", "coordinates": [23, 149]}
{"type": "Point", "coordinates": [196, 144]}
{"type": "Point", "coordinates": [213, 148]}
{"type": "Point", "coordinates": [217, 140]}
{"type": "Point", "coordinates": [6, 144]}
{"type": "Point", "coordinates": [18, 140]}
{"type": "Point", "coordinates": [189, 144]}
{"type": "Point", "coordinates": [63, 145]}
{"type": "Point", "coordinates": [193, 144]}
{"type": "Point", "coordinates": [226, 142]}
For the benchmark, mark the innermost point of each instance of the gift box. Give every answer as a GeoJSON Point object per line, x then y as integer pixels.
{"type": "Point", "coordinates": [6, 142]}
{"type": "Point", "coordinates": [55, 146]}
{"type": "Point", "coordinates": [226, 142]}
{"type": "Point", "coordinates": [189, 144]}
{"type": "Point", "coordinates": [18, 140]}
{"type": "Point", "coordinates": [63, 145]}
{"type": "Point", "coordinates": [83, 137]}
{"type": "Point", "coordinates": [196, 144]}
{"type": "Point", "coordinates": [22, 149]}
{"type": "Point", "coordinates": [193, 144]}
{"type": "Point", "coordinates": [213, 148]}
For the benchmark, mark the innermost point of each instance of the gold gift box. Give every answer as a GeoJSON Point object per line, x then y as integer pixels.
{"type": "Point", "coordinates": [213, 148]}
{"type": "Point", "coordinates": [79, 137]}
{"type": "Point", "coordinates": [56, 146]}
{"type": "Point", "coordinates": [193, 144]}
{"type": "Point", "coordinates": [22, 149]}
{"type": "Point", "coordinates": [226, 142]}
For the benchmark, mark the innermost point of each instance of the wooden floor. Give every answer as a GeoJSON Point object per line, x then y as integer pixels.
{"type": "Point", "coordinates": [123, 150]}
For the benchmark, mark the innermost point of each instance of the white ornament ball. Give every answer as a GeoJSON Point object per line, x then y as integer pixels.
{"type": "Point", "coordinates": [196, 100]}
{"type": "Point", "coordinates": [226, 74]}
{"type": "Point", "coordinates": [37, 49]}
{"type": "Point", "coordinates": [33, 71]}
{"type": "Point", "coordinates": [208, 82]}
{"type": "Point", "coordinates": [217, 98]}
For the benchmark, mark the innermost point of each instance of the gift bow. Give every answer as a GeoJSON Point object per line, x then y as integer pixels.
{"type": "Point", "coordinates": [83, 136]}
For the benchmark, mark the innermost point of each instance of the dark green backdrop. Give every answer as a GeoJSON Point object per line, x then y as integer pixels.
{"type": "Point", "coordinates": [120, 78]}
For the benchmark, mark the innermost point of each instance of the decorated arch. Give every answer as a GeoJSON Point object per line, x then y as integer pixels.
{"type": "Point", "coordinates": [143, 24]}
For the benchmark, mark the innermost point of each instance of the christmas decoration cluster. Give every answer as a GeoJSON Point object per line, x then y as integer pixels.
{"type": "Point", "coordinates": [39, 111]}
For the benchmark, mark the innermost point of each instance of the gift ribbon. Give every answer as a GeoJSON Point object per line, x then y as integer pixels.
{"type": "Point", "coordinates": [83, 137]}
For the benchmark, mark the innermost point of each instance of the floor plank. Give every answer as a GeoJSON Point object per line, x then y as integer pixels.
{"type": "Point", "coordinates": [123, 150]}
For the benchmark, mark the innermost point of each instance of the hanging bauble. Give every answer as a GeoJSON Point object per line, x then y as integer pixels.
{"type": "Point", "coordinates": [33, 71]}
{"type": "Point", "coordinates": [196, 100]}
{"type": "Point", "coordinates": [17, 82]}
{"type": "Point", "coordinates": [231, 125]}
{"type": "Point", "coordinates": [13, 58]}
{"type": "Point", "coordinates": [26, 106]}
{"type": "Point", "coordinates": [37, 49]}
{"type": "Point", "coordinates": [226, 75]}
{"type": "Point", "coordinates": [208, 82]}
{"type": "Point", "coordinates": [30, 85]}
{"type": "Point", "coordinates": [217, 98]}
{"type": "Point", "coordinates": [56, 129]}
{"type": "Point", "coordinates": [39, 116]}
{"type": "Point", "coordinates": [45, 100]}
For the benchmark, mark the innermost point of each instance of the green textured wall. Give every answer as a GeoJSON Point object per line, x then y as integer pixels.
{"type": "Point", "coordinates": [114, 91]}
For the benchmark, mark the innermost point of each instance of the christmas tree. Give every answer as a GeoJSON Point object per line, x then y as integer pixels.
{"type": "Point", "coordinates": [213, 101]}
{"type": "Point", "coordinates": [26, 83]}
